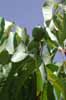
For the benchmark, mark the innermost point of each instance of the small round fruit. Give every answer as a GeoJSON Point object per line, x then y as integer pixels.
{"type": "Point", "coordinates": [38, 33]}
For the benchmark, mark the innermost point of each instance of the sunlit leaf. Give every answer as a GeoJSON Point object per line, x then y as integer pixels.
{"type": "Point", "coordinates": [10, 43]}
{"type": "Point", "coordinates": [20, 53]}
{"type": "Point", "coordinates": [46, 55]}
{"type": "Point", "coordinates": [47, 11]}
{"type": "Point", "coordinates": [22, 32]}
{"type": "Point", "coordinates": [9, 26]}
{"type": "Point", "coordinates": [51, 35]}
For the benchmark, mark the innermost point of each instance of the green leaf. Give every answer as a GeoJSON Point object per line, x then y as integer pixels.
{"type": "Point", "coordinates": [64, 28]}
{"type": "Point", "coordinates": [53, 53]}
{"type": "Point", "coordinates": [50, 92]}
{"type": "Point", "coordinates": [51, 43]}
{"type": "Point", "coordinates": [4, 57]}
{"type": "Point", "coordinates": [51, 35]}
{"type": "Point", "coordinates": [3, 46]}
{"type": "Point", "coordinates": [57, 93]}
{"type": "Point", "coordinates": [57, 82]}
{"type": "Point", "coordinates": [39, 82]}
{"type": "Point", "coordinates": [17, 40]}
{"type": "Point", "coordinates": [33, 44]}
{"type": "Point", "coordinates": [43, 73]}
{"type": "Point", "coordinates": [2, 25]}
{"type": "Point", "coordinates": [24, 69]}
{"type": "Point", "coordinates": [28, 92]}
{"type": "Point", "coordinates": [52, 67]}
{"type": "Point", "coordinates": [44, 93]}
{"type": "Point", "coordinates": [47, 93]}
{"type": "Point", "coordinates": [38, 61]}
{"type": "Point", "coordinates": [61, 32]}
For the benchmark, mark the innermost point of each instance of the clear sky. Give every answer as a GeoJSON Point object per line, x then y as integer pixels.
{"type": "Point", "coordinates": [25, 13]}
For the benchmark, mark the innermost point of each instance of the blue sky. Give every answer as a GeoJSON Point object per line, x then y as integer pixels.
{"type": "Point", "coordinates": [25, 13]}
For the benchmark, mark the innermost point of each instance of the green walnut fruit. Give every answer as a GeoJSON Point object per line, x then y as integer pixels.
{"type": "Point", "coordinates": [38, 33]}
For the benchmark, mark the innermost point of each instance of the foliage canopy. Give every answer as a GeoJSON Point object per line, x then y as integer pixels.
{"type": "Point", "coordinates": [27, 67]}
